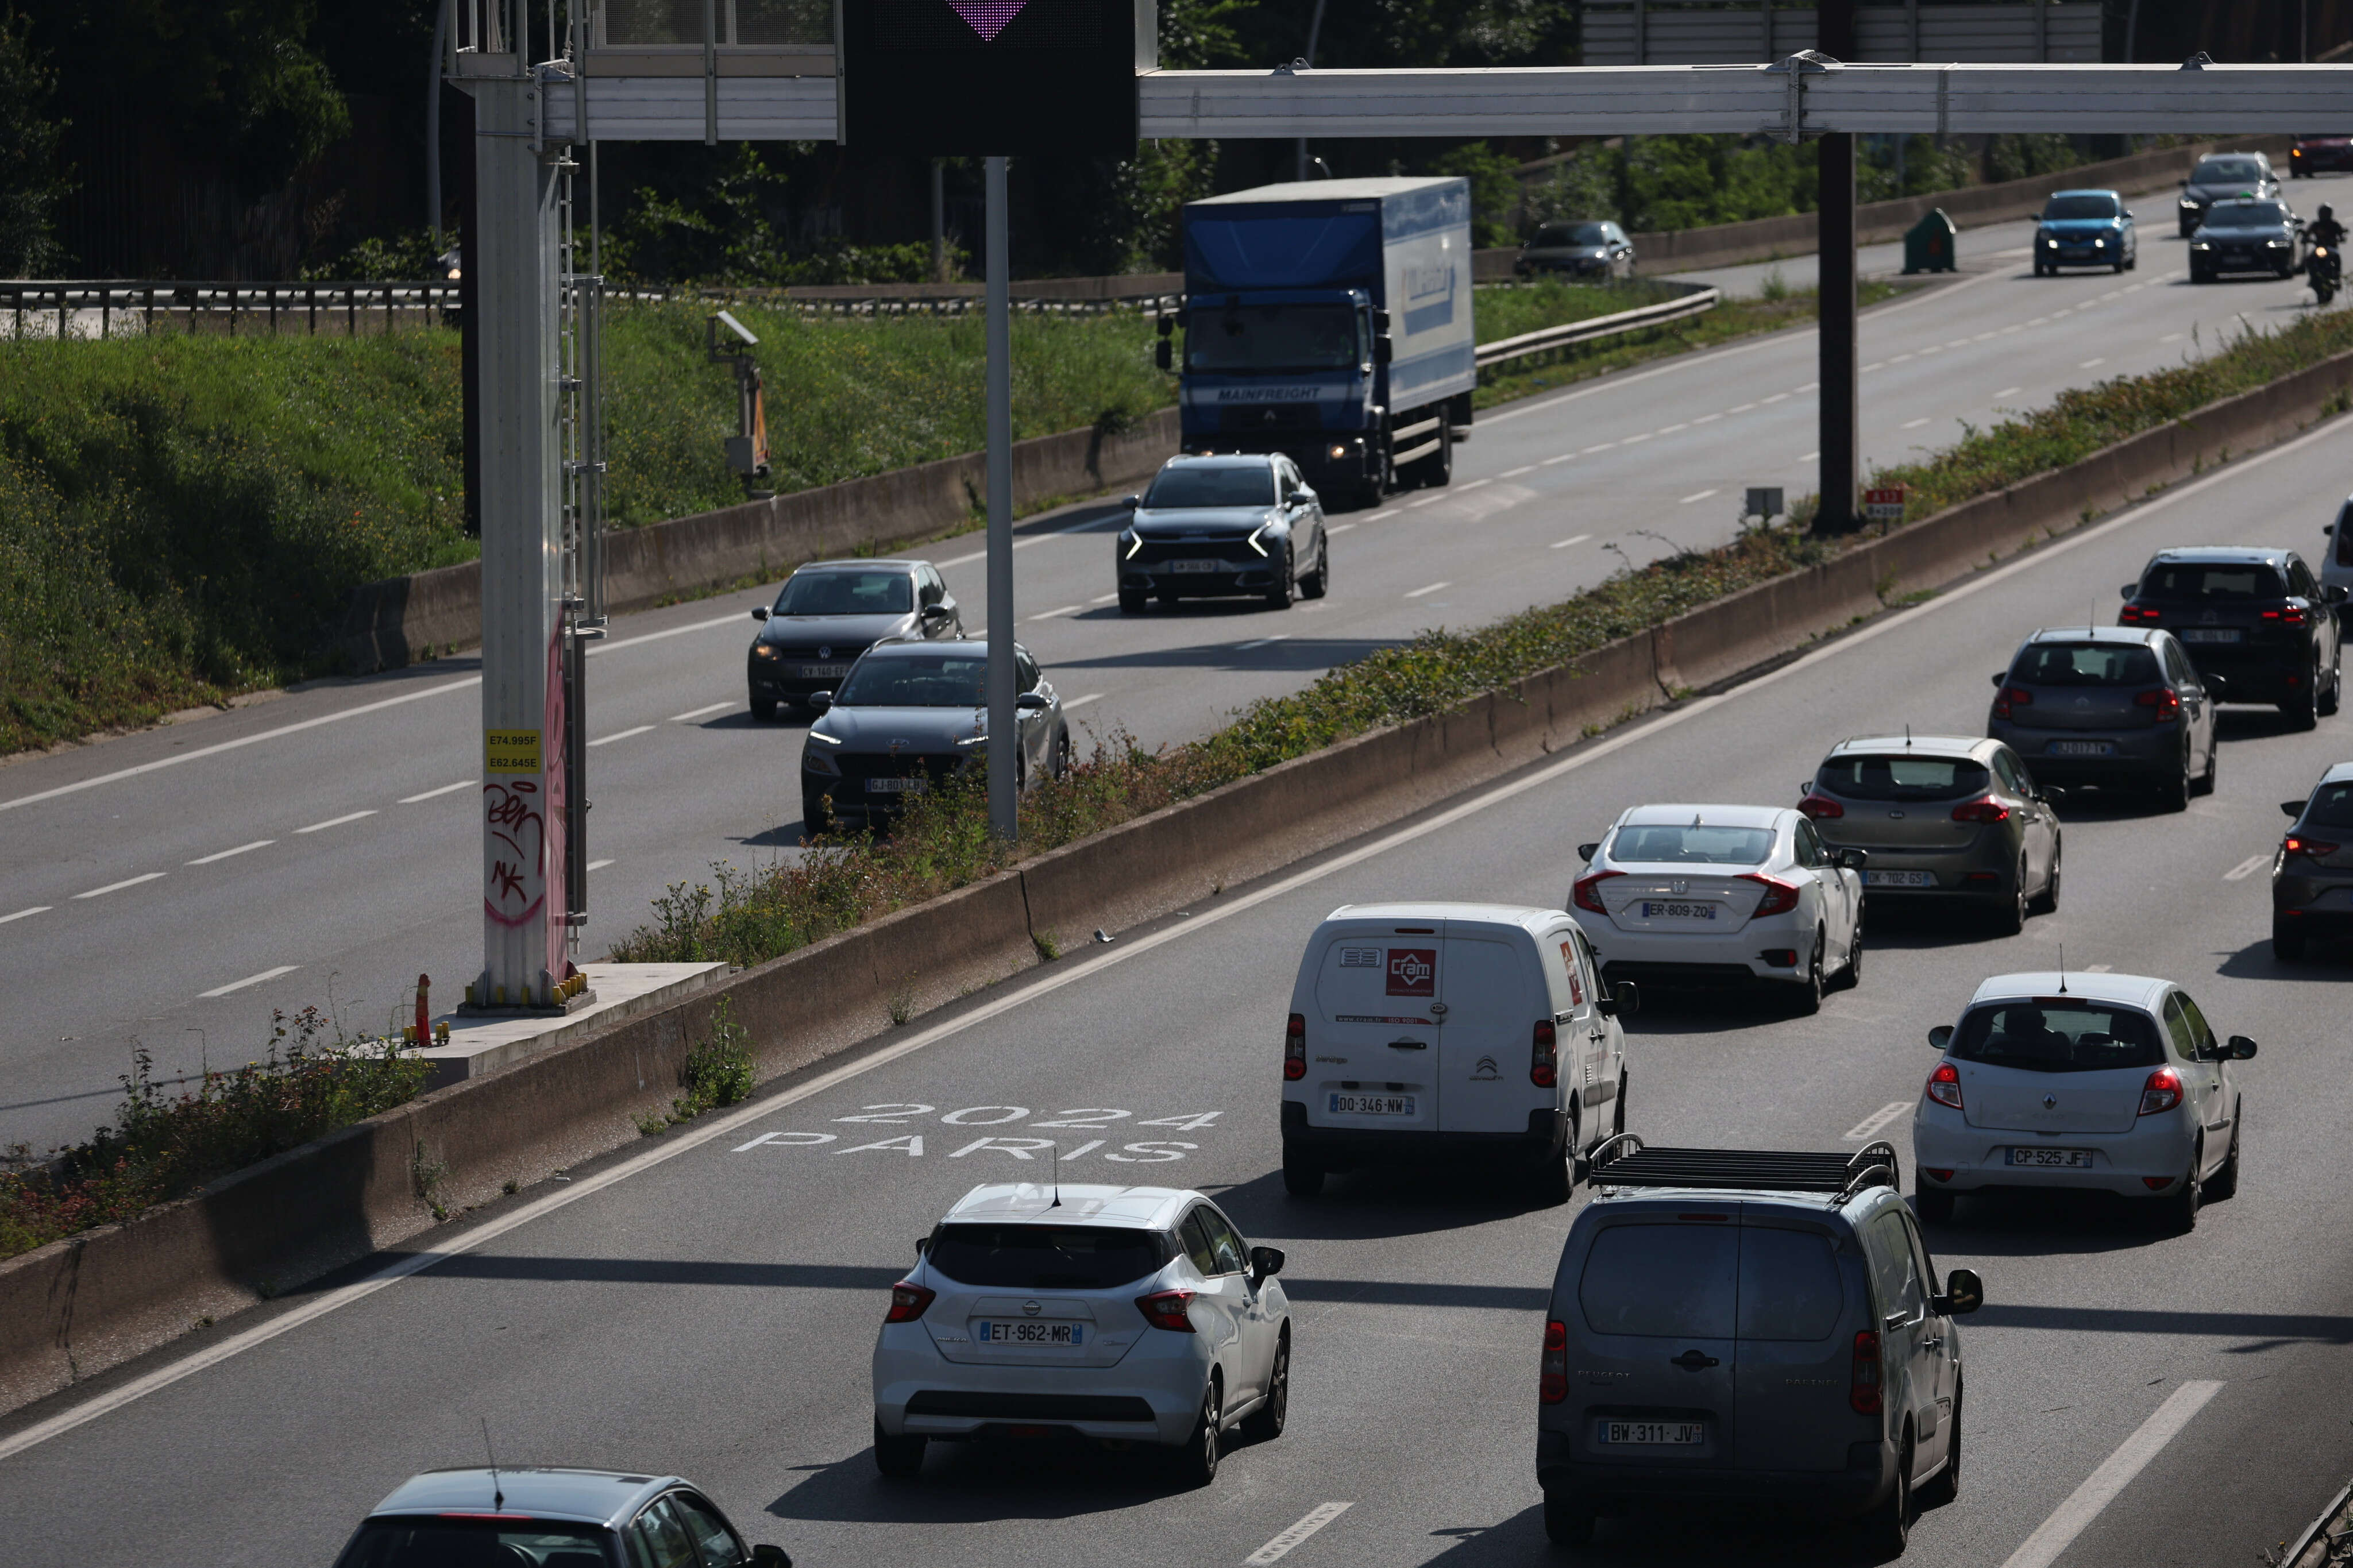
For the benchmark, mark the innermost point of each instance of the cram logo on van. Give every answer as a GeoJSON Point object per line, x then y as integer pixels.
{"type": "Point", "coordinates": [1413, 972]}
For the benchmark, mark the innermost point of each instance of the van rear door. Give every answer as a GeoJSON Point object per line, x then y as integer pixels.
{"type": "Point", "coordinates": [1372, 1045]}
{"type": "Point", "coordinates": [1652, 1351]}
{"type": "Point", "coordinates": [1493, 996]}
{"type": "Point", "coordinates": [1796, 1295]}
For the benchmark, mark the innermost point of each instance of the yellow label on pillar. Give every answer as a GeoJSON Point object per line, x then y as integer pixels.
{"type": "Point", "coordinates": [511, 751]}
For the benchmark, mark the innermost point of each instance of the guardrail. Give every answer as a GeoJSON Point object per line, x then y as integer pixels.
{"type": "Point", "coordinates": [60, 308]}
{"type": "Point", "coordinates": [1545, 339]}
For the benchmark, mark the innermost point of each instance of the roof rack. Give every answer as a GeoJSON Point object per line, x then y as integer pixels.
{"type": "Point", "coordinates": [1624, 1162]}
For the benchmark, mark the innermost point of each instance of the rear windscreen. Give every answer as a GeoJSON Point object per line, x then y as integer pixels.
{"type": "Point", "coordinates": [1903, 777]}
{"type": "Point", "coordinates": [1693, 845]}
{"type": "Point", "coordinates": [2331, 806]}
{"type": "Point", "coordinates": [1789, 1286]}
{"type": "Point", "coordinates": [1667, 1282]}
{"type": "Point", "coordinates": [436, 1543]}
{"type": "Point", "coordinates": [2085, 664]}
{"type": "Point", "coordinates": [2058, 1035]}
{"type": "Point", "coordinates": [2213, 585]}
{"type": "Point", "coordinates": [1046, 1257]}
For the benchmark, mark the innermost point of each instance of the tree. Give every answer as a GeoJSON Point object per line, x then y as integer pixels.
{"type": "Point", "coordinates": [30, 183]}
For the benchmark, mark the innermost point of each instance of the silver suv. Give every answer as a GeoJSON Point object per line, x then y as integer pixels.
{"type": "Point", "coordinates": [2312, 875]}
{"type": "Point", "coordinates": [1734, 1324]}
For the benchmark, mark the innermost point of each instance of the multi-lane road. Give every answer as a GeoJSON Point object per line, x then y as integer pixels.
{"type": "Point", "coordinates": [176, 886]}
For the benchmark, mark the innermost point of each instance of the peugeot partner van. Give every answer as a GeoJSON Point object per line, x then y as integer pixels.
{"type": "Point", "coordinates": [1430, 1030]}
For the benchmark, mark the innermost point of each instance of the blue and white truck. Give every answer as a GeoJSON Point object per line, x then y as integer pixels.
{"type": "Point", "coordinates": [1331, 320]}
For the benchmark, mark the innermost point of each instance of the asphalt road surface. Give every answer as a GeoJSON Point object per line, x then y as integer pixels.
{"type": "Point", "coordinates": [707, 1304]}
{"type": "Point", "coordinates": [176, 886]}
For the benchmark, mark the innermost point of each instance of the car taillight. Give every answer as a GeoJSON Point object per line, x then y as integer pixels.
{"type": "Point", "coordinates": [1862, 1383]}
{"type": "Point", "coordinates": [1167, 1310]}
{"type": "Point", "coordinates": [908, 1302]}
{"type": "Point", "coordinates": [2162, 1092]}
{"type": "Point", "coordinates": [1294, 1049]}
{"type": "Point", "coordinates": [2297, 843]}
{"type": "Point", "coordinates": [2293, 616]}
{"type": "Point", "coordinates": [1544, 1061]}
{"type": "Point", "coordinates": [2138, 615]}
{"type": "Point", "coordinates": [2165, 700]}
{"type": "Point", "coordinates": [2011, 697]}
{"type": "Point", "coordinates": [1987, 809]}
{"type": "Point", "coordinates": [1945, 1085]}
{"type": "Point", "coordinates": [1553, 1388]}
{"type": "Point", "coordinates": [1818, 806]}
{"type": "Point", "coordinates": [1587, 894]}
{"type": "Point", "coordinates": [1779, 898]}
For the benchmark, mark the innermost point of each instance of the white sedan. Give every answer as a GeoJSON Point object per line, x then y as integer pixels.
{"type": "Point", "coordinates": [1723, 897]}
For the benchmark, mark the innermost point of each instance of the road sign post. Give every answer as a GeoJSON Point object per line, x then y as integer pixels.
{"type": "Point", "coordinates": [1004, 740]}
{"type": "Point", "coordinates": [1883, 506]}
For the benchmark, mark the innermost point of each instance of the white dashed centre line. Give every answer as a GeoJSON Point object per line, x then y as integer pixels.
{"type": "Point", "coordinates": [2096, 359]}
{"type": "Point", "coordinates": [606, 740]}
{"type": "Point", "coordinates": [249, 979]}
{"type": "Point", "coordinates": [1474, 484]}
{"type": "Point", "coordinates": [2172, 337]}
{"type": "Point", "coordinates": [2097, 968]}
{"type": "Point", "coordinates": [1064, 610]}
{"type": "Point", "coordinates": [1912, 424]}
{"type": "Point", "coordinates": [1871, 1125]}
{"type": "Point", "coordinates": [692, 714]}
{"type": "Point", "coordinates": [1244, 648]}
{"type": "Point", "coordinates": [428, 794]}
{"type": "Point", "coordinates": [2008, 391]}
{"type": "Point", "coordinates": [1876, 364]}
{"type": "Point", "coordinates": [1082, 701]}
{"type": "Point", "coordinates": [118, 887]}
{"type": "Point", "coordinates": [225, 854]}
{"type": "Point", "coordinates": [2246, 868]}
{"type": "Point", "coordinates": [599, 865]}
{"type": "Point", "coordinates": [1695, 495]}
{"type": "Point", "coordinates": [1315, 1519]}
{"type": "Point", "coordinates": [1426, 501]}
{"type": "Point", "coordinates": [1810, 456]}
{"type": "Point", "coordinates": [1418, 592]}
{"type": "Point", "coordinates": [1384, 511]}
{"type": "Point", "coordinates": [1572, 539]}
{"type": "Point", "coordinates": [1515, 473]}
{"type": "Point", "coordinates": [1564, 458]}
{"type": "Point", "coordinates": [1107, 598]}
{"type": "Point", "coordinates": [1340, 527]}
{"type": "Point", "coordinates": [20, 914]}
{"type": "Point", "coordinates": [1809, 386]}
{"type": "Point", "coordinates": [1631, 439]}
{"type": "Point", "coordinates": [347, 817]}
{"type": "Point", "coordinates": [1708, 418]}
{"type": "Point", "coordinates": [1671, 429]}
{"type": "Point", "coordinates": [1741, 409]}
{"type": "Point", "coordinates": [1601, 447]}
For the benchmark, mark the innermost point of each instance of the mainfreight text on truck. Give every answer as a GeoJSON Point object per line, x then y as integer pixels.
{"type": "Point", "coordinates": [1331, 320]}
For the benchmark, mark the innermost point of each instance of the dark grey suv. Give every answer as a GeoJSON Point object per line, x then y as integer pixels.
{"type": "Point", "coordinates": [2253, 616]}
{"type": "Point", "coordinates": [2312, 874]}
{"type": "Point", "coordinates": [829, 613]}
{"type": "Point", "coordinates": [2104, 706]}
{"type": "Point", "coordinates": [1745, 1325]}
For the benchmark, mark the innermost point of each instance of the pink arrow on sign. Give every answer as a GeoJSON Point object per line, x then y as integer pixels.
{"type": "Point", "coordinates": [988, 17]}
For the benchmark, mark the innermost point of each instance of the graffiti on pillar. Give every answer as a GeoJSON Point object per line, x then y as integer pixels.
{"type": "Point", "coordinates": [518, 831]}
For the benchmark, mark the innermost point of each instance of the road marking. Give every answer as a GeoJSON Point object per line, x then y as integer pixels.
{"type": "Point", "coordinates": [1082, 701]}
{"type": "Point", "coordinates": [1601, 447]}
{"type": "Point", "coordinates": [413, 799]}
{"type": "Point", "coordinates": [2246, 868]}
{"type": "Point", "coordinates": [1696, 495]}
{"type": "Point", "coordinates": [599, 649]}
{"type": "Point", "coordinates": [1629, 440]}
{"type": "Point", "coordinates": [1809, 386]}
{"type": "Point", "coordinates": [1810, 456]}
{"type": "Point", "coordinates": [1572, 539]}
{"type": "Point", "coordinates": [1875, 364]}
{"type": "Point", "coordinates": [2012, 328]}
{"type": "Point", "coordinates": [1871, 1125]}
{"type": "Point", "coordinates": [1564, 458]}
{"type": "Point", "coordinates": [1261, 642]}
{"type": "Point", "coordinates": [617, 735]}
{"type": "Point", "coordinates": [1107, 598]}
{"type": "Point", "coordinates": [1315, 1519]}
{"type": "Point", "coordinates": [20, 914]}
{"type": "Point", "coordinates": [966, 560]}
{"type": "Point", "coordinates": [2007, 392]}
{"type": "Point", "coordinates": [2057, 1532]}
{"type": "Point", "coordinates": [2038, 321]}
{"type": "Point", "coordinates": [118, 887]}
{"type": "Point", "coordinates": [1473, 485]}
{"type": "Point", "coordinates": [1741, 409]}
{"type": "Point", "coordinates": [225, 854]}
{"type": "Point", "coordinates": [339, 821]}
{"type": "Point", "coordinates": [1671, 429]}
{"type": "Point", "coordinates": [1426, 501]}
{"type": "Point", "coordinates": [249, 979]}
{"type": "Point", "coordinates": [1981, 337]}
{"type": "Point", "coordinates": [2172, 337]}
{"type": "Point", "coordinates": [2096, 359]}
{"type": "Point", "coordinates": [1432, 588]}
{"type": "Point", "coordinates": [1340, 527]}
{"type": "Point", "coordinates": [1384, 511]}
{"type": "Point", "coordinates": [1912, 424]}
{"type": "Point", "coordinates": [1932, 349]}
{"type": "Point", "coordinates": [1708, 418]}
{"type": "Point", "coordinates": [1899, 358]}
{"type": "Point", "coordinates": [599, 865]}
{"type": "Point", "coordinates": [1515, 473]}
{"type": "Point", "coordinates": [686, 718]}
{"type": "Point", "coordinates": [1065, 610]}
{"type": "Point", "coordinates": [2097, 968]}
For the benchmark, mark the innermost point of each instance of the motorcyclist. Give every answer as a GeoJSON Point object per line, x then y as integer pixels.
{"type": "Point", "coordinates": [2324, 228]}
{"type": "Point", "coordinates": [2324, 232]}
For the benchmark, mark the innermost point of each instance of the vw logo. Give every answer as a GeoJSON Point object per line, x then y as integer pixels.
{"type": "Point", "coordinates": [1029, 1309]}
{"type": "Point", "coordinates": [2050, 1102]}
{"type": "Point", "coordinates": [825, 650]}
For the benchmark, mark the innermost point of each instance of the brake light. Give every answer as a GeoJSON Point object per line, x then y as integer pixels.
{"type": "Point", "coordinates": [1294, 1049]}
{"type": "Point", "coordinates": [2293, 616]}
{"type": "Point", "coordinates": [1862, 1383]}
{"type": "Point", "coordinates": [1987, 809]}
{"type": "Point", "coordinates": [1945, 1085]}
{"type": "Point", "coordinates": [908, 1302]}
{"type": "Point", "coordinates": [1553, 1388]}
{"type": "Point", "coordinates": [1779, 898]}
{"type": "Point", "coordinates": [1820, 806]}
{"type": "Point", "coordinates": [2011, 697]}
{"type": "Point", "coordinates": [1167, 1310]}
{"type": "Point", "coordinates": [1587, 894]}
{"type": "Point", "coordinates": [1544, 1061]}
{"type": "Point", "coordinates": [2297, 843]}
{"type": "Point", "coordinates": [2165, 700]}
{"type": "Point", "coordinates": [2162, 1092]}
{"type": "Point", "coordinates": [2139, 615]}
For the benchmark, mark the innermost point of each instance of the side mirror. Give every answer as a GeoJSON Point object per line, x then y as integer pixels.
{"type": "Point", "coordinates": [759, 612]}
{"type": "Point", "coordinates": [2291, 808]}
{"type": "Point", "coordinates": [1964, 1293]}
{"type": "Point", "coordinates": [2332, 595]}
{"type": "Point", "coordinates": [922, 1245]}
{"type": "Point", "coordinates": [1619, 1001]}
{"type": "Point", "coordinates": [2241, 1049]}
{"type": "Point", "coordinates": [1031, 701]}
{"type": "Point", "coordinates": [1163, 356]}
{"type": "Point", "coordinates": [2129, 590]}
{"type": "Point", "coordinates": [1131, 503]}
{"type": "Point", "coordinates": [1383, 350]}
{"type": "Point", "coordinates": [935, 612]}
{"type": "Point", "coordinates": [1941, 1035]}
{"type": "Point", "coordinates": [1264, 1261]}
{"type": "Point", "coordinates": [2218, 687]}
{"type": "Point", "coordinates": [819, 702]}
{"type": "Point", "coordinates": [1852, 859]}
{"type": "Point", "coordinates": [2000, 677]}
{"type": "Point", "coordinates": [770, 1557]}
{"type": "Point", "coordinates": [1586, 852]}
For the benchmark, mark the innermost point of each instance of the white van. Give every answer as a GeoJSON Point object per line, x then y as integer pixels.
{"type": "Point", "coordinates": [1427, 1030]}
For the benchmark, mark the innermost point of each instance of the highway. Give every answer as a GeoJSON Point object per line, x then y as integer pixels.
{"type": "Point", "coordinates": [707, 1305]}
{"type": "Point", "coordinates": [174, 887]}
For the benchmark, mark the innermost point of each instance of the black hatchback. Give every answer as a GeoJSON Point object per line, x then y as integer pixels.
{"type": "Point", "coordinates": [2256, 617]}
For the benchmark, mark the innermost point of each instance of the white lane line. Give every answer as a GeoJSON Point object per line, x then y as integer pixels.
{"type": "Point", "coordinates": [2039, 321]}
{"type": "Point", "coordinates": [1932, 349]}
{"type": "Point", "coordinates": [599, 865]}
{"type": "Point", "coordinates": [1245, 647]}
{"type": "Point", "coordinates": [1696, 495]}
{"type": "Point", "coordinates": [1629, 440]}
{"type": "Point", "coordinates": [1809, 386]}
{"type": "Point", "coordinates": [1599, 446]}
{"type": "Point", "coordinates": [692, 714]}
{"type": "Point", "coordinates": [1671, 429]}
{"type": "Point", "coordinates": [708, 1131]}
{"type": "Point", "coordinates": [1912, 424]}
{"type": "Point", "coordinates": [1339, 528]}
{"type": "Point", "coordinates": [1315, 1519]}
{"type": "Point", "coordinates": [2095, 360]}
{"type": "Point", "coordinates": [1082, 701]}
{"type": "Point", "coordinates": [1981, 337]}
{"type": "Point", "coordinates": [1065, 610]}
{"type": "Point", "coordinates": [2100, 1488]}
{"type": "Point", "coordinates": [1426, 501]}
{"type": "Point", "coordinates": [1899, 358]}
{"type": "Point", "coordinates": [1515, 473]}
{"type": "Point", "coordinates": [413, 799]}
{"type": "Point", "coordinates": [225, 854]}
{"type": "Point", "coordinates": [2097, 968]}
{"type": "Point", "coordinates": [1473, 485]}
{"type": "Point", "coordinates": [20, 914]}
{"type": "Point", "coordinates": [2008, 391]}
{"type": "Point", "coordinates": [1572, 539]}
{"type": "Point", "coordinates": [1875, 364]}
{"type": "Point", "coordinates": [2246, 868]}
{"type": "Point", "coordinates": [1384, 511]}
{"type": "Point", "coordinates": [1869, 1126]}
{"type": "Point", "coordinates": [1564, 458]}
{"type": "Point", "coordinates": [2172, 337]}
{"type": "Point", "coordinates": [1708, 418]}
{"type": "Point", "coordinates": [598, 650]}
{"type": "Point", "coordinates": [118, 887]}
{"type": "Point", "coordinates": [1091, 525]}
{"type": "Point", "coordinates": [1432, 588]}
{"type": "Point", "coordinates": [619, 735]}
{"type": "Point", "coordinates": [339, 821]}
{"type": "Point", "coordinates": [1741, 409]}
{"type": "Point", "coordinates": [249, 979]}
{"type": "Point", "coordinates": [1810, 456]}
{"type": "Point", "coordinates": [1107, 598]}
{"type": "Point", "coordinates": [2012, 328]}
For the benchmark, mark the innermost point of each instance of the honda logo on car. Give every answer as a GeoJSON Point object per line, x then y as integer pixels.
{"type": "Point", "coordinates": [1413, 972]}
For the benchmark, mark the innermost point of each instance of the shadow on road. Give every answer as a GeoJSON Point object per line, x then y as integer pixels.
{"type": "Point", "coordinates": [1291, 653]}
{"type": "Point", "coordinates": [1394, 1200]}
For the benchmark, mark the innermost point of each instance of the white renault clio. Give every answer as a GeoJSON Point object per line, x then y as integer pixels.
{"type": "Point", "coordinates": [1126, 1314]}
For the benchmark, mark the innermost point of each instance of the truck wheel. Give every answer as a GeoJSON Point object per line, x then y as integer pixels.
{"type": "Point", "coordinates": [1437, 470]}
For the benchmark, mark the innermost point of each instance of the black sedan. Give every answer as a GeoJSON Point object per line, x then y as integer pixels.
{"type": "Point", "coordinates": [1218, 526]}
{"type": "Point", "coordinates": [910, 714]}
{"type": "Point", "coordinates": [2224, 176]}
{"type": "Point", "coordinates": [1577, 250]}
{"type": "Point", "coordinates": [2245, 237]}
{"type": "Point", "coordinates": [2255, 618]}
{"type": "Point", "coordinates": [830, 612]}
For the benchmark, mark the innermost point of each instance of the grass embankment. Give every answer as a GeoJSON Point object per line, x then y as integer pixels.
{"type": "Point", "coordinates": [745, 917]}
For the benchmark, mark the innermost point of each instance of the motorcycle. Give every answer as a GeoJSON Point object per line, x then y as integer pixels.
{"type": "Point", "coordinates": [2324, 270]}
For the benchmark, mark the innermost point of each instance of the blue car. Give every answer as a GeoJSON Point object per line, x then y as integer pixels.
{"type": "Point", "coordinates": [2086, 228]}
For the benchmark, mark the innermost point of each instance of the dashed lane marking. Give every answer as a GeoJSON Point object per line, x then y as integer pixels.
{"type": "Point", "coordinates": [1912, 424]}
{"type": "Point", "coordinates": [1697, 495]}
{"type": "Point", "coordinates": [599, 865]}
{"type": "Point", "coordinates": [692, 714]}
{"type": "Point", "coordinates": [1564, 458]}
{"type": "Point", "coordinates": [2095, 360]}
{"type": "Point", "coordinates": [1340, 527]}
{"type": "Point", "coordinates": [225, 854]}
{"type": "Point", "coordinates": [2059, 1532]}
{"type": "Point", "coordinates": [1572, 539]}
{"type": "Point", "coordinates": [118, 887]}
{"type": "Point", "coordinates": [20, 914]}
{"type": "Point", "coordinates": [1104, 598]}
{"type": "Point", "coordinates": [413, 799]}
{"type": "Point", "coordinates": [249, 979]}
{"type": "Point", "coordinates": [1431, 588]}
{"type": "Point", "coordinates": [1515, 473]}
{"type": "Point", "coordinates": [1871, 1125]}
{"type": "Point", "coordinates": [1474, 484]}
{"type": "Point", "coordinates": [1384, 511]}
{"type": "Point", "coordinates": [615, 735]}
{"type": "Point", "coordinates": [347, 817]}
{"type": "Point", "coordinates": [2246, 868]}
{"type": "Point", "coordinates": [2008, 391]}
{"type": "Point", "coordinates": [1082, 701]}
{"type": "Point", "coordinates": [1315, 1519]}
{"type": "Point", "coordinates": [1065, 610]}
{"type": "Point", "coordinates": [1708, 418]}
{"type": "Point", "coordinates": [1261, 642]}
{"type": "Point", "coordinates": [2097, 968]}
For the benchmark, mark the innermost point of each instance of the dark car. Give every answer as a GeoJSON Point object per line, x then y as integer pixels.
{"type": "Point", "coordinates": [2316, 155]}
{"type": "Point", "coordinates": [2253, 617]}
{"type": "Point", "coordinates": [2086, 228]}
{"type": "Point", "coordinates": [2222, 175]}
{"type": "Point", "coordinates": [2108, 705]}
{"type": "Point", "coordinates": [907, 716]}
{"type": "Point", "coordinates": [2312, 874]}
{"type": "Point", "coordinates": [830, 612]}
{"type": "Point", "coordinates": [549, 1518]}
{"type": "Point", "coordinates": [1577, 250]}
{"type": "Point", "coordinates": [1220, 526]}
{"type": "Point", "coordinates": [2245, 237]}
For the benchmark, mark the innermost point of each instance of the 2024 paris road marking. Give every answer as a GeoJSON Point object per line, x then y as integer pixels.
{"type": "Point", "coordinates": [1082, 1119]}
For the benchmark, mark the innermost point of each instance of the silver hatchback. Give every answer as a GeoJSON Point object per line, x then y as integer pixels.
{"type": "Point", "coordinates": [2109, 706]}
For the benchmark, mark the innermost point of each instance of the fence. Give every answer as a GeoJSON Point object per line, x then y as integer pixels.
{"type": "Point", "coordinates": [1545, 340]}
{"type": "Point", "coordinates": [68, 308]}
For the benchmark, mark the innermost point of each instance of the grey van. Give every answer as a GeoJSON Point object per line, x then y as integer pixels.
{"type": "Point", "coordinates": [1747, 1326]}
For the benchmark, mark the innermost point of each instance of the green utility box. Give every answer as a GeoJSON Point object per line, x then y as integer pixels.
{"type": "Point", "coordinates": [1928, 245]}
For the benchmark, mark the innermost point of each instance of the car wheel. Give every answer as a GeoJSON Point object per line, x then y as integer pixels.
{"type": "Point", "coordinates": [898, 1458]}
{"type": "Point", "coordinates": [2041, 270]}
{"type": "Point", "coordinates": [2173, 790]}
{"type": "Point", "coordinates": [2224, 1183]}
{"type": "Point", "coordinates": [2119, 264]}
{"type": "Point", "coordinates": [1617, 1117]}
{"type": "Point", "coordinates": [2010, 915]}
{"type": "Point", "coordinates": [1934, 1208]}
{"type": "Point", "coordinates": [1947, 1484]}
{"type": "Point", "coordinates": [1196, 1460]}
{"type": "Point", "coordinates": [1850, 972]}
{"type": "Point", "coordinates": [1319, 582]}
{"type": "Point", "coordinates": [1061, 766]}
{"type": "Point", "coordinates": [1809, 998]}
{"type": "Point", "coordinates": [2046, 902]}
{"type": "Point", "coordinates": [764, 709]}
{"type": "Point", "coordinates": [2301, 710]}
{"type": "Point", "coordinates": [816, 812]}
{"type": "Point", "coordinates": [1887, 1529]}
{"type": "Point", "coordinates": [1555, 1175]}
{"type": "Point", "coordinates": [1285, 592]}
{"type": "Point", "coordinates": [1130, 604]}
{"type": "Point", "coordinates": [2205, 782]}
{"type": "Point", "coordinates": [2333, 697]}
{"type": "Point", "coordinates": [1303, 1176]}
{"type": "Point", "coordinates": [1568, 1523]}
{"type": "Point", "coordinates": [2177, 1214]}
{"type": "Point", "coordinates": [2287, 941]}
{"type": "Point", "coordinates": [1264, 1425]}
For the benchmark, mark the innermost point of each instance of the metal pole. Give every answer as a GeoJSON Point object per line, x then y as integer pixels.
{"type": "Point", "coordinates": [1315, 28]}
{"type": "Point", "coordinates": [1004, 809]}
{"type": "Point", "coordinates": [1841, 401]}
{"type": "Point", "coordinates": [433, 121]}
{"type": "Point", "coordinates": [939, 221]}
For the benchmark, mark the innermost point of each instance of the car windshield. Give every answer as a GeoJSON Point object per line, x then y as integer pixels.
{"type": "Point", "coordinates": [1692, 844]}
{"type": "Point", "coordinates": [2213, 585]}
{"type": "Point", "coordinates": [1903, 777]}
{"type": "Point", "coordinates": [1046, 1257]}
{"type": "Point", "coordinates": [2085, 664]}
{"type": "Point", "coordinates": [1252, 485]}
{"type": "Point", "coordinates": [1571, 234]}
{"type": "Point", "coordinates": [2246, 215]}
{"type": "Point", "coordinates": [2331, 806]}
{"type": "Point", "coordinates": [2226, 171]}
{"type": "Point", "coordinates": [2058, 1034]}
{"type": "Point", "coordinates": [915, 680]}
{"type": "Point", "coordinates": [847, 594]}
{"type": "Point", "coordinates": [1270, 337]}
{"type": "Point", "coordinates": [444, 1543]}
{"type": "Point", "coordinates": [2064, 207]}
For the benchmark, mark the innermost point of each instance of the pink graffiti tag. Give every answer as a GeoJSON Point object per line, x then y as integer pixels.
{"type": "Point", "coordinates": [511, 810]}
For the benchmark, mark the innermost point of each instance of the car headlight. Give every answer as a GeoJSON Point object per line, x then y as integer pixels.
{"type": "Point", "coordinates": [2277, 244]}
{"type": "Point", "coordinates": [2049, 243]}
{"type": "Point", "coordinates": [815, 762]}
{"type": "Point", "coordinates": [1261, 532]}
{"type": "Point", "coordinates": [2099, 242]}
{"type": "Point", "coordinates": [1339, 450]}
{"type": "Point", "coordinates": [2190, 203]}
{"type": "Point", "coordinates": [1134, 541]}
{"type": "Point", "coordinates": [763, 650]}
{"type": "Point", "coordinates": [2202, 245]}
